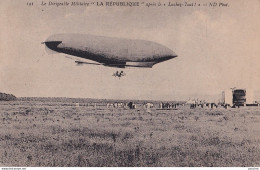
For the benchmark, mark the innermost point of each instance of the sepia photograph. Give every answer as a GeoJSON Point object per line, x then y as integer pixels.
{"type": "Point", "coordinates": [142, 83]}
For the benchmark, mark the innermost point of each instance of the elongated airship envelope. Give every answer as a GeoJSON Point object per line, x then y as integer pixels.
{"type": "Point", "coordinates": [109, 51]}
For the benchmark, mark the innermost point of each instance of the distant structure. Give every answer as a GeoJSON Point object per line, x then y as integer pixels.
{"type": "Point", "coordinates": [148, 105]}
{"type": "Point", "coordinates": [238, 97]}
{"type": "Point", "coordinates": [6, 97]}
{"type": "Point", "coordinates": [131, 105]}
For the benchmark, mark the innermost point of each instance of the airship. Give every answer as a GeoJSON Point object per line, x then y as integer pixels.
{"type": "Point", "coordinates": [110, 51]}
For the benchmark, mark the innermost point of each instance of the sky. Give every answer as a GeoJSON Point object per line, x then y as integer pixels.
{"type": "Point", "coordinates": [217, 47]}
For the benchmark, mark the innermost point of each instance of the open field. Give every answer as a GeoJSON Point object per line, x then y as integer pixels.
{"type": "Point", "coordinates": [42, 133]}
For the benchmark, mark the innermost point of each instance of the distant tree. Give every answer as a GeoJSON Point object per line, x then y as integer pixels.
{"type": "Point", "coordinates": [6, 97]}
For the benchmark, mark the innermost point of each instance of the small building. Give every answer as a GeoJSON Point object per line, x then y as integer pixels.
{"type": "Point", "coordinates": [238, 97]}
{"type": "Point", "coordinates": [227, 97]}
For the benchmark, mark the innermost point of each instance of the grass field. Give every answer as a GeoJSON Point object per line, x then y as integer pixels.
{"type": "Point", "coordinates": [37, 133]}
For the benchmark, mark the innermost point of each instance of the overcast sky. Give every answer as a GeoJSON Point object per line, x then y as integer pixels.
{"type": "Point", "coordinates": [217, 48]}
